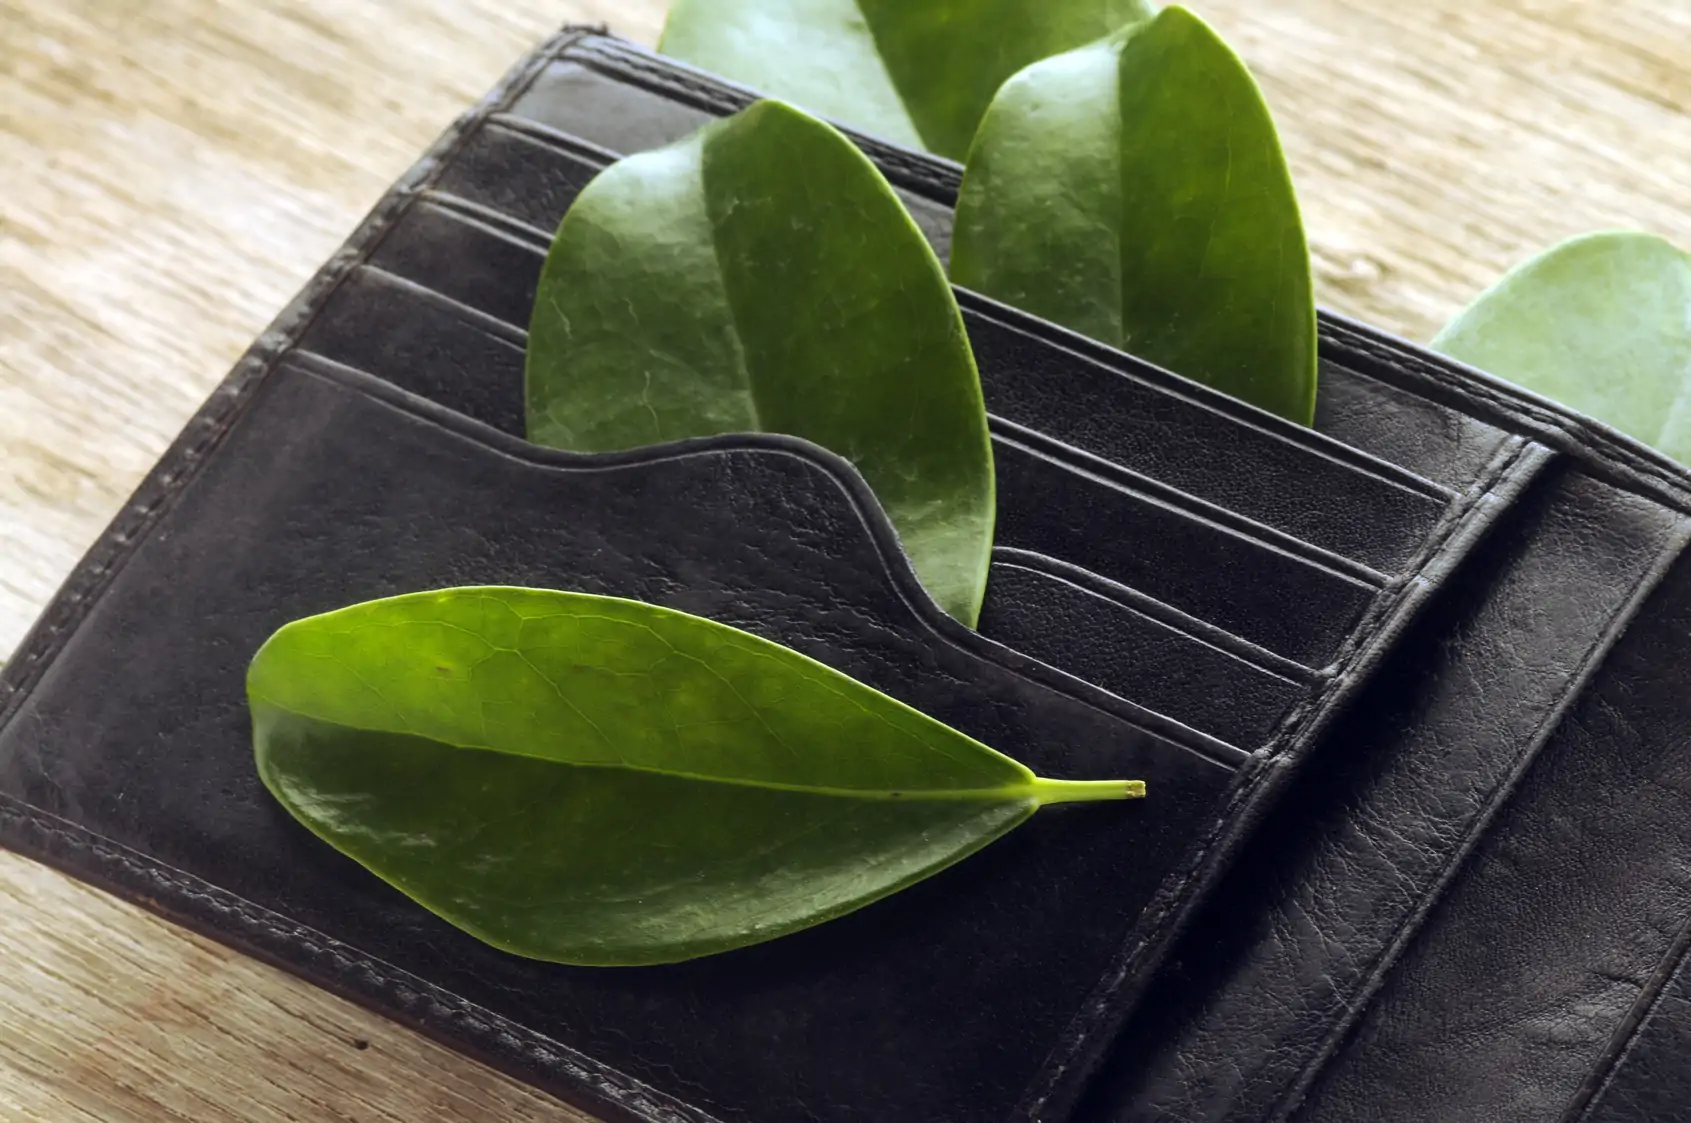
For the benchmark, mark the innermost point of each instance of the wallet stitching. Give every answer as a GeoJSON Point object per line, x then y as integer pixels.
{"type": "Point", "coordinates": [1294, 734]}
{"type": "Point", "coordinates": [1596, 442]}
{"type": "Point", "coordinates": [1357, 1002]}
{"type": "Point", "coordinates": [181, 463]}
{"type": "Point", "coordinates": [399, 988]}
{"type": "Point", "coordinates": [1624, 1041]}
{"type": "Point", "coordinates": [1388, 603]}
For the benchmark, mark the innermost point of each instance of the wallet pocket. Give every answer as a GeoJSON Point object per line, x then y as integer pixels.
{"type": "Point", "coordinates": [513, 180]}
{"type": "Point", "coordinates": [129, 724]}
{"type": "Point", "coordinates": [1139, 648]}
{"type": "Point", "coordinates": [1553, 937]}
{"type": "Point", "coordinates": [1386, 839]}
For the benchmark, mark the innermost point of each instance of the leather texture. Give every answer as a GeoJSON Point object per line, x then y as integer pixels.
{"type": "Point", "coordinates": [1404, 687]}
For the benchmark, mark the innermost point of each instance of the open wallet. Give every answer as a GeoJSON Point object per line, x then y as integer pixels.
{"type": "Point", "coordinates": [1408, 690]}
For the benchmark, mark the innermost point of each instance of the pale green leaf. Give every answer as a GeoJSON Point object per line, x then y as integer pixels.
{"type": "Point", "coordinates": [916, 72]}
{"type": "Point", "coordinates": [1601, 323]}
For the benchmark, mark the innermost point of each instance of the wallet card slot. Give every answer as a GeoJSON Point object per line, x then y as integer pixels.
{"type": "Point", "coordinates": [329, 486]}
{"type": "Point", "coordinates": [478, 257]}
{"type": "Point", "coordinates": [1159, 491]}
{"type": "Point", "coordinates": [1385, 814]}
{"type": "Point", "coordinates": [1286, 604]}
{"type": "Point", "coordinates": [1099, 402]}
{"type": "Point", "coordinates": [1131, 645]}
{"type": "Point", "coordinates": [1230, 579]}
{"type": "Point", "coordinates": [1052, 381]}
{"type": "Point", "coordinates": [1426, 437]}
{"type": "Point", "coordinates": [426, 344]}
{"type": "Point", "coordinates": [1171, 617]}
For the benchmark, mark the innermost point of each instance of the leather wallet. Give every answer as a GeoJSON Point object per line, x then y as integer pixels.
{"type": "Point", "coordinates": [1401, 686]}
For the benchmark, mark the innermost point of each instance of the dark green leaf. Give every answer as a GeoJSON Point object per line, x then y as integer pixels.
{"type": "Point", "coordinates": [761, 275]}
{"type": "Point", "coordinates": [1134, 190]}
{"type": "Point", "coordinates": [1601, 323]}
{"type": "Point", "coordinates": [917, 72]}
{"type": "Point", "coordinates": [598, 781]}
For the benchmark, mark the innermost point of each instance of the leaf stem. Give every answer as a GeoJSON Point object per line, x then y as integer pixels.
{"type": "Point", "coordinates": [1085, 791]}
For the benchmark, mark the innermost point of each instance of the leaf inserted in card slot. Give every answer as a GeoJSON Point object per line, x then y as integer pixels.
{"type": "Point", "coordinates": [1134, 190]}
{"type": "Point", "coordinates": [761, 276]}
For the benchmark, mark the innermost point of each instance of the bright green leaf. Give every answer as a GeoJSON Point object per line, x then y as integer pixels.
{"type": "Point", "coordinates": [597, 781]}
{"type": "Point", "coordinates": [1601, 323]}
{"type": "Point", "coordinates": [916, 72]}
{"type": "Point", "coordinates": [1134, 190]}
{"type": "Point", "coordinates": [762, 276]}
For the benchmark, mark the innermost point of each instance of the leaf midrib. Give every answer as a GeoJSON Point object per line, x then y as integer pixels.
{"type": "Point", "coordinates": [1025, 789]}
{"type": "Point", "coordinates": [1038, 789]}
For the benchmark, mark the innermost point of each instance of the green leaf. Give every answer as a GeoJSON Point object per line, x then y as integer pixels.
{"type": "Point", "coordinates": [1135, 191]}
{"type": "Point", "coordinates": [762, 276]}
{"type": "Point", "coordinates": [597, 781]}
{"type": "Point", "coordinates": [1601, 323]}
{"type": "Point", "coordinates": [916, 72]}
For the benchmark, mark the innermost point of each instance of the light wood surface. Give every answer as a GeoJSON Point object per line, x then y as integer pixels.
{"type": "Point", "coordinates": [172, 170]}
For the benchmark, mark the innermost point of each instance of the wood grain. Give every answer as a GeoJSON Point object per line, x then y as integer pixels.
{"type": "Point", "coordinates": [172, 171]}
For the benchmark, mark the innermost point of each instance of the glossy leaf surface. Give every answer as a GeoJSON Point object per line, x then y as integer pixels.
{"type": "Point", "coordinates": [916, 72]}
{"type": "Point", "coordinates": [762, 276]}
{"type": "Point", "coordinates": [1601, 323]}
{"type": "Point", "coordinates": [1134, 190]}
{"type": "Point", "coordinates": [598, 781]}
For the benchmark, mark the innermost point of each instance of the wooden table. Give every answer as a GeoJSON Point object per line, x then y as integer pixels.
{"type": "Point", "coordinates": [171, 171]}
